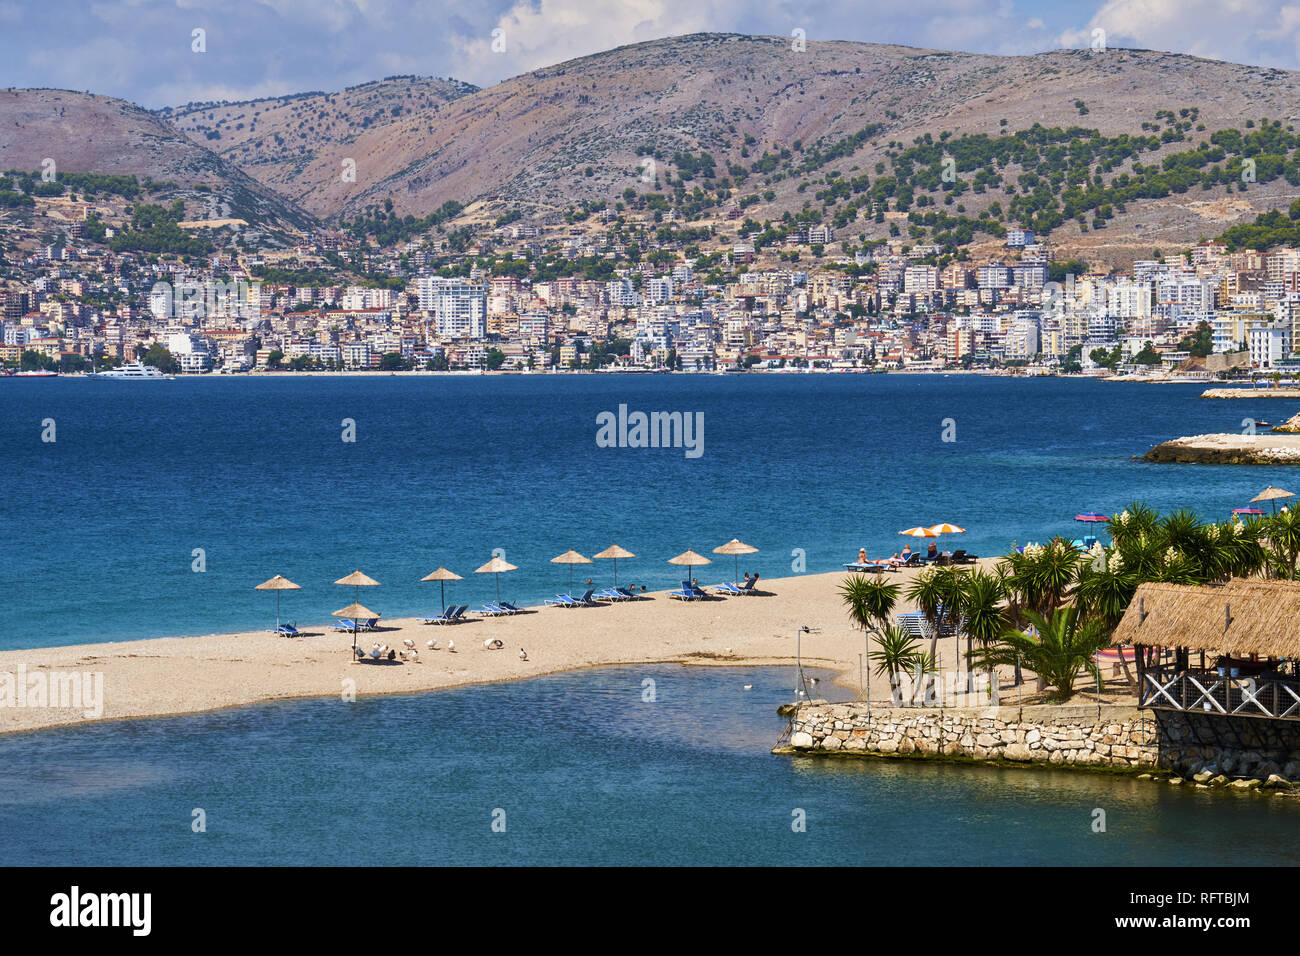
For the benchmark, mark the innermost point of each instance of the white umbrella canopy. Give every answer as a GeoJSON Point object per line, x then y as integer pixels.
{"type": "Point", "coordinates": [277, 584]}
{"type": "Point", "coordinates": [442, 576]}
{"type": "Point", "coordinates": [496, 566]}
{"type": "Point", "coordinates": [570, 558]}
{"type": "Point", "coordinates": [615, 552]}
{"type": "Point", "coordinates": [736, 548]}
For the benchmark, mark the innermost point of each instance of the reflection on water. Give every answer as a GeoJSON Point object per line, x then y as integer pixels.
{"type": "Point", "coordinates": [595, 767]}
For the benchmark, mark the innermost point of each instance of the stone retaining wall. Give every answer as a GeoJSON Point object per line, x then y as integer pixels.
{"type": "Point", "coordinates": [1070, 734]}
{"type": "Point", "coordinates": [1121, 737]}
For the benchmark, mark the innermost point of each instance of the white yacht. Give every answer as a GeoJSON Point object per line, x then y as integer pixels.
{"type": "Point", "coordinates": [130, 370]}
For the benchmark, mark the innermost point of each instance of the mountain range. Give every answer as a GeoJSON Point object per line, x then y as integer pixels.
{"type": "Point", "coordinates": [706, 109]}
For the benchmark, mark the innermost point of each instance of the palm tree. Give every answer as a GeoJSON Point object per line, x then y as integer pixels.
{"type": "Point", "coordinates": [870, 600]}
{"type": "Point", "coordinates": [897, 653]}
{"type": "Point", "coordinates": [937, 593]}
{"type": "Point", "coordinates": [982, 597]}
{"type": "Point", "coordinates": [1065, 645]}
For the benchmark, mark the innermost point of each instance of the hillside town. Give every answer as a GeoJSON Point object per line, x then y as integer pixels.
{"type": "Point", "coordinates": [482, 303]}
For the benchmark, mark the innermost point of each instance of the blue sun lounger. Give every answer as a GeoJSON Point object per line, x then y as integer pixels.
{"type": "Point", "coordinates": [727, 587]}
{"type": "Point", "coordinates": [288, 630]}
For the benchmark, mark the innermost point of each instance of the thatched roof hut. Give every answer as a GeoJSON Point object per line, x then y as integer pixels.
{"type": "Point", "coordinates": [1239, 618]}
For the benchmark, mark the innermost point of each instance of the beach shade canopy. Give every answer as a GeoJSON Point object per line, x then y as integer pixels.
{"type": "Point", "coordinates": [736, 549]}
{"type": "Point", "coordinates": [496, 566]}
{"type": "Point", "coordinates": [615, 552]}
{"type": "Point", "coordinates": [945, 528]}
{"type": "Point", "coordinates": [690, 559]}
{"type": "Point", "coordinates": [1272, 494]}
{"type": "Point", "coordinates": [570, 558]}
{"type": "Point", "coordinates": [442, 576]}
{"type": "Point", "coordinates": [277, 584]}
{"type": "Point", "coordinates": [1092, 516]}
{"type": "Point", "coordinates": [354, 612]}
{"type": "Point", "coordinates": [919, 533]}
{"type": "Point", "coordinates": [358, 580]}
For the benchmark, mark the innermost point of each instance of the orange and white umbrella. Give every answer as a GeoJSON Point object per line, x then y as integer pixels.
{"type": "Point", "coordinates": [920, 533]}
{"type": "Point", "coordinates": [946, 528]}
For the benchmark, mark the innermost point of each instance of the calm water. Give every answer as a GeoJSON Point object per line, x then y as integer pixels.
{"type": "Point", "coordinates": [102, 525]}
{"type": "Point", "coordinates": [587, 773]}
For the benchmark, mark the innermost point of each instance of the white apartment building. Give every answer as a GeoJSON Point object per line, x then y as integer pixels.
{"type": "Point", "coordinates": [459, 307]}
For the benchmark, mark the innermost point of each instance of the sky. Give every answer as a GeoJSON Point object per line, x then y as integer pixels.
{"type": "Point", "coordinates": [148, 51]}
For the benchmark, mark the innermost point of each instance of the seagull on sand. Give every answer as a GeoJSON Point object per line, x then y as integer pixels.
{"type": "Point", "coordinates": [451, 646]}
{"type": "Point", "coordinates": [431, 645]}
{"type": "Point", "coordinates": [410, 644]}
{"type": "Point", "coordinates": [523, 654]}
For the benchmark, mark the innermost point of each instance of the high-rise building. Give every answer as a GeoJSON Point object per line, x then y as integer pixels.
{"type": "Point", "coordinates": [458, 307]}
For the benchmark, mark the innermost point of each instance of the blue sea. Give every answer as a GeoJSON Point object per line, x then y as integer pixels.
{"type": "Point", "coordinates": [159, 505]}
{"type": "Point", "coordinates": [580, 769]}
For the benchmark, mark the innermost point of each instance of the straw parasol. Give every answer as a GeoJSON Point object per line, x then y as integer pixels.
{"type": "Point", "coordinates": [355, 612]}
{"type": "Point", "coordinates": [736, 549]}
{"type": "Point", "coordinates": [690, 559]}
{"type": "Point", "coordinates": [570, 558]}
{"type": "Point", "coordinates": [496, 566]}
{"type": "Point", "coordinates": [615, 552]}
{"type": "Point", "coordinates": [358, 580]}
{"type": "Point", "coordinates": [1272, 494]}
{"type": "Point", "coordinates": [277, 584]}
{"type": "Point", "coordinates": [442, 576]}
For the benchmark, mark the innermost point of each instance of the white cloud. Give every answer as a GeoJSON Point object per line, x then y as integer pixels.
{"type": "Point", "coordinates": [1261, 32]}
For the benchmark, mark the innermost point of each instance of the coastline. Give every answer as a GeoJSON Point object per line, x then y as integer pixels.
{"type": "Point", "coordinates": [168, 676]}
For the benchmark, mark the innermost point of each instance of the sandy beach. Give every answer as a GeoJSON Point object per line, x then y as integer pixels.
{"type": "Point", "coordinates": [150, 678]}
{"type": "Point", "coordinates": [158, 677]}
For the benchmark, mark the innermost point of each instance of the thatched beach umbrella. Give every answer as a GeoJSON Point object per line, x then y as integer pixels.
{"type": "Point", "coordinates": [442, 576]}
{"type": "Point", "coordinates": [736, 549]}
{"type": "Point", "coordinates": [570, 558]}
{"type": "Point", "coordinates": [690, 559]}
{"type": "Point", "coordinates": [355, 612]}
{"type": "Point", "coordinates": [277, 584]}
{"type": "Point", "coordinates": [358, 580]}
{"type": "Point", "coordinates": [1272, 494]}
{"type": "Point", "coordinates": [615, 552]}
{"type": "Point", "coordinates": [496, 566]}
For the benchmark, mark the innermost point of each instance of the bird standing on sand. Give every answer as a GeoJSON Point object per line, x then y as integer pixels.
{"type": "Point", "coordinates": [523, 654]}
{"type": "Point", "coordinates": [431, 645]}
{"type": "Point", "coordinates": [451, 646]}
{"type": "Point", "coordinates": [410, 644]}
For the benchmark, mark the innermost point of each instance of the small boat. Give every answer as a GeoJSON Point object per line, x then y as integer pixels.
{"type": "Point", "coordinates": [36, 373]}
{"type": "Point", "coordinates": [1263, 424]}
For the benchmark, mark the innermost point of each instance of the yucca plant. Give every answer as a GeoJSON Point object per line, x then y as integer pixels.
{"type": "Point", "coordinates": [1063, 648]}
{"type": "Point", "coordinates": [1282, 532]}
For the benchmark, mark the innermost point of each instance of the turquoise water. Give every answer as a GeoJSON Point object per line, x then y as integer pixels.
{"type": "Point", "coordinates": [586, 772]}
{"type": "Point", "coordinates": [102, 524]}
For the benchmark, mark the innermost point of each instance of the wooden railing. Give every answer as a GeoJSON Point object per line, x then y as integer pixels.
{"type": "Point", "coordinates": [1208, 691]}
